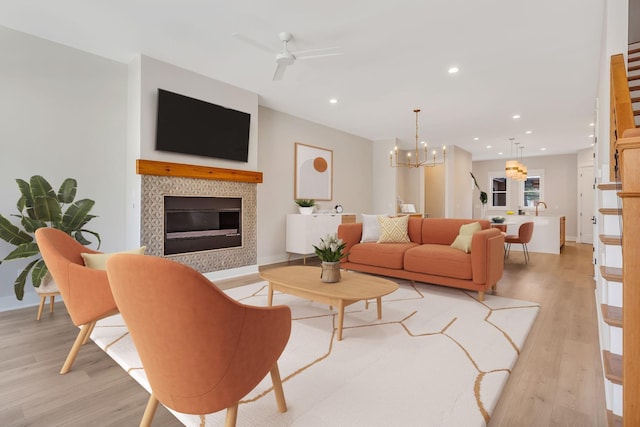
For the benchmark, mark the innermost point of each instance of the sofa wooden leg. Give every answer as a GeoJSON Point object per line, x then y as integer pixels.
{"type": "Point", "coordinates": [480, 295]}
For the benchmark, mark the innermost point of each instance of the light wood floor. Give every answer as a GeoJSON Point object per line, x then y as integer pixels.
{"type": "Point", "coordinates": [557, 379]}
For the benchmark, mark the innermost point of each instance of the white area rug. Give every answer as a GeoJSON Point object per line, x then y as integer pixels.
{"type": "Point", "coordinates": [438, 357]}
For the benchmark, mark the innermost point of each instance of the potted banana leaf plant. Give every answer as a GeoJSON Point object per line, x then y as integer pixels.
{"type": "Point", "coordinates": [40, 206]}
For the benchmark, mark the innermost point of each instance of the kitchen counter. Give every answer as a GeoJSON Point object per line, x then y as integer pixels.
{"type": "Point", "coordinates": [546, 236]}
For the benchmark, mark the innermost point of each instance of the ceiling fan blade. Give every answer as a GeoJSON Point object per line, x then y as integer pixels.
{"type": "Point", "coordinates": [279, 72]}
{"type": "Point", "coordinates": [327, 51]}
{"type": "Point", "coordinates": [254, 43]}
{"type": "Point", "coordinates": [320, 55]}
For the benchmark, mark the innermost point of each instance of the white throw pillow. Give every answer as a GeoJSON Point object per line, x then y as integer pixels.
{"type": "Point", "coordinates": [99, 261]}
{"type": "Point", "coordinates": [370, 228]}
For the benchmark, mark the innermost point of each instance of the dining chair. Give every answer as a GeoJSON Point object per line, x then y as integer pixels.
{"type": "Point", "coordinates": [85, 291]}
{"type": "Point", "coordinates": [201, 350]}
{"type": "Point", "coordinates": [525, 232]}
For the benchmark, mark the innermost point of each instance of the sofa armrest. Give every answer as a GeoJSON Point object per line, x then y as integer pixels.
{"type": "Point", "coordinates": [350, 234]}
{"type": "Point", "coordinates": [487, 256]}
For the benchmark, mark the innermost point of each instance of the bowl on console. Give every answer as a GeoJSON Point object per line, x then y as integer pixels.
{"type": "Point", "coordinates": [498, 219]}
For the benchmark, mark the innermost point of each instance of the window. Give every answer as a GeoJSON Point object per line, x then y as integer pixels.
{"type": "Point", "coordinates": [498, 194]}
{"type": "Point", "coordinates": [531, 190]}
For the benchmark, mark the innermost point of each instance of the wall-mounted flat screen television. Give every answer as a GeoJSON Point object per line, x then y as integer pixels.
{"type": "Point", "coordinates": [190, 126]}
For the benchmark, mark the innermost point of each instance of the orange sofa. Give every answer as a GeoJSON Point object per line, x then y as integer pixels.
{"type": "Point", "coordinates": [428, 257]}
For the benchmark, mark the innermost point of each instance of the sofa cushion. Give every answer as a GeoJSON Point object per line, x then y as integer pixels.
{"type": "Point", "coordinates": [370, 228]}
{"type": "Point", "coordinates": [98, 261]}
{"type": "Point", "coordinates": [463, 240]}
{"type": "Point", "coordinates": [439, 260]}
{"type": "Point", "coordinates": [443, 231]}
{"type": "Point", "coordinates": [394, 230]}
{"type": "Point", "coordinates": [387, 255]}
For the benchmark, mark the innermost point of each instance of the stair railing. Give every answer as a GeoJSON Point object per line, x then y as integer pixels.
{"type": "Point", "coordinates": [621, 117]}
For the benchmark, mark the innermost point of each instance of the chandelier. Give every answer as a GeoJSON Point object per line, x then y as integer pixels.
{"type": "Point", "coordinates": [416, 162]}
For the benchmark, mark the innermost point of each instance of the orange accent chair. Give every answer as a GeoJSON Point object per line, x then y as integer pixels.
{"type": "Point", "coordinates": [85, 291]}
{"type": "Point", "coordinates": [201, 350]}
{"type": "Point", "coordinates": [525, 231]}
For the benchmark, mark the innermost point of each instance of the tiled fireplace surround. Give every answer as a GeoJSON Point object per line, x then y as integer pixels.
{"type": "Point", "coordinates": [161, 179]}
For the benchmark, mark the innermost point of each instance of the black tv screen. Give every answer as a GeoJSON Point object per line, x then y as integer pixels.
{"type": "Point", "coordinates": [191, 126]}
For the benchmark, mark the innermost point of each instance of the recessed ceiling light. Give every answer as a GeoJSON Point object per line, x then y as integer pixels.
{"type": "Point", "coordinates": [333, 101]}
{"type": "Point", "coordinates": [592, 144]}
{"type": "Point", "coordinates": [500, 153]}
{"type": "Point", "coordinates": [488, 146]}
{"type": "Point", "coordinates": [591, 136]}
{"type": "Point", "coordinates": [476, 138]}
{"type": "Point", "coordinates": [528, 132]}
{"type": "Point", "coordinates": [592, 124]}
{"type": "Point", "coordinates": [515, 116]}
{"type": "Point", "coordinates": [543, 149]}
{"type": "Point", "coordinates": [453, 70]}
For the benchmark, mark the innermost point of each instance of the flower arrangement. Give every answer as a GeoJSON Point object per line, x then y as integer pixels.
{"type": "Point", "coordinates": [330, 249]}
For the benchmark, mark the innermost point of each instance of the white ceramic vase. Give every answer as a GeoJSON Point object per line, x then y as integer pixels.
{"type": "Point", "coordinates": [305, 210]}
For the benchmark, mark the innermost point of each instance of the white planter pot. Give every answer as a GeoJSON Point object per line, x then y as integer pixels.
{"type": "Point", "coordinates": [48, 285]}
{"type": "Point", "coordinates": [305, 211]}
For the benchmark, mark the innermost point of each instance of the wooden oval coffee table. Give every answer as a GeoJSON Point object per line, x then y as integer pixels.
{"type": "Point", "coordinates": [304, 282]}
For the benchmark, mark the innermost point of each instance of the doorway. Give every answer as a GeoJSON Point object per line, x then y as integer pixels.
{"type": "Point", "coordinates": [585, 204]}
{"type": "Point", "coordinates": [434, 185]}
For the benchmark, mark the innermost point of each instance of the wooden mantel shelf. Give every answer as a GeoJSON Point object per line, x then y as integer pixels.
{"type": "Point", "coordinates": [152, 167]}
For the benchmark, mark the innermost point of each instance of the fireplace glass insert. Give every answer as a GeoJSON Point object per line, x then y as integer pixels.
{"type": "Point", "coordinates": [193, 224]}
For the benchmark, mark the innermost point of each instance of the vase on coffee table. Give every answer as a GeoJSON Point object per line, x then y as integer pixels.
{"type": "Point", "coordinates": [330, 272]}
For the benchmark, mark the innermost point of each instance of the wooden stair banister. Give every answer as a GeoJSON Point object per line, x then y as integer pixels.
{"type": "Point", "coordinates": [621, 117]}
{"type": "Point", "coordinates": [629, 148]}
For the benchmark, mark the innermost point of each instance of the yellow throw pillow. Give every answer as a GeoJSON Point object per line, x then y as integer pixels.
{"type": "Point", "coordinates": [394, 230]}
{"type": "Point", "coordinates": [465, 236]}
{"type": "Point", "coordinates": [99, 261]}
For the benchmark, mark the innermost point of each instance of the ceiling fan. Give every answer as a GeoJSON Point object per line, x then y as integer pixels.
{"type": "Point", "coordinates": [284, 57]}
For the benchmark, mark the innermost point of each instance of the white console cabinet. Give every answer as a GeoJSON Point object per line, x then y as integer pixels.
{"type": "Point", "coordinates": [304, 231]}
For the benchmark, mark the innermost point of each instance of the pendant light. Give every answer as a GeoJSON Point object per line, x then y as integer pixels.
{"type": "Point", "coordinates": [511, 167]}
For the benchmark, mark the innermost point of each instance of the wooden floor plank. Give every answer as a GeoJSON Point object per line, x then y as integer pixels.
{"type": "Point", "coordinates": [557, 380]}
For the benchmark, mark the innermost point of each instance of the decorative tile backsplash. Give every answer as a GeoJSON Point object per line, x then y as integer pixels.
{"type": "Point", "coordinates": [154, 188]}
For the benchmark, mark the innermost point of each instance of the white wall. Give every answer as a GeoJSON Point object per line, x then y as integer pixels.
{"type": "Point", "coordinates": [352, 172]}
{"type": "Point", "coordinates": [62, 114]}
{"type": "Point", "coordinates": [384, 179]}
{"type": "Point", "coordinates": [560, 191]}
{"type": "Point", "coordinates": [458, 203]}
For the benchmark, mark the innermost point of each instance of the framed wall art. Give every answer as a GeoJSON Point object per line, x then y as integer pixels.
{"type": "Point", "coordinates": [313, 172]}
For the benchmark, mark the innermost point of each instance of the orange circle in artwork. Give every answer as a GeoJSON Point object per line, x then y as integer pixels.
{"type": "Point", "coordinates": [320, 164]}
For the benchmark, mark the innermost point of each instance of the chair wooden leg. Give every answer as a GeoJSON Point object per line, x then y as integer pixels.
{"type": "Point", "coordinates": [41, 307]}
{"type": "Point", "coordinates": [232, 416]}
{"type": "Point", "coordinates": [480, 296]}
{"type": "Point", "coordinates": [277, 388]}
{"type": "Point", "coordinates": [86, 338]}
{"type": "Point", "coordinates": [76, 347]}
{"type": "Point", "coordinates": [149, 412]}
{"type": "Point", "coordinates": [52, 300]}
